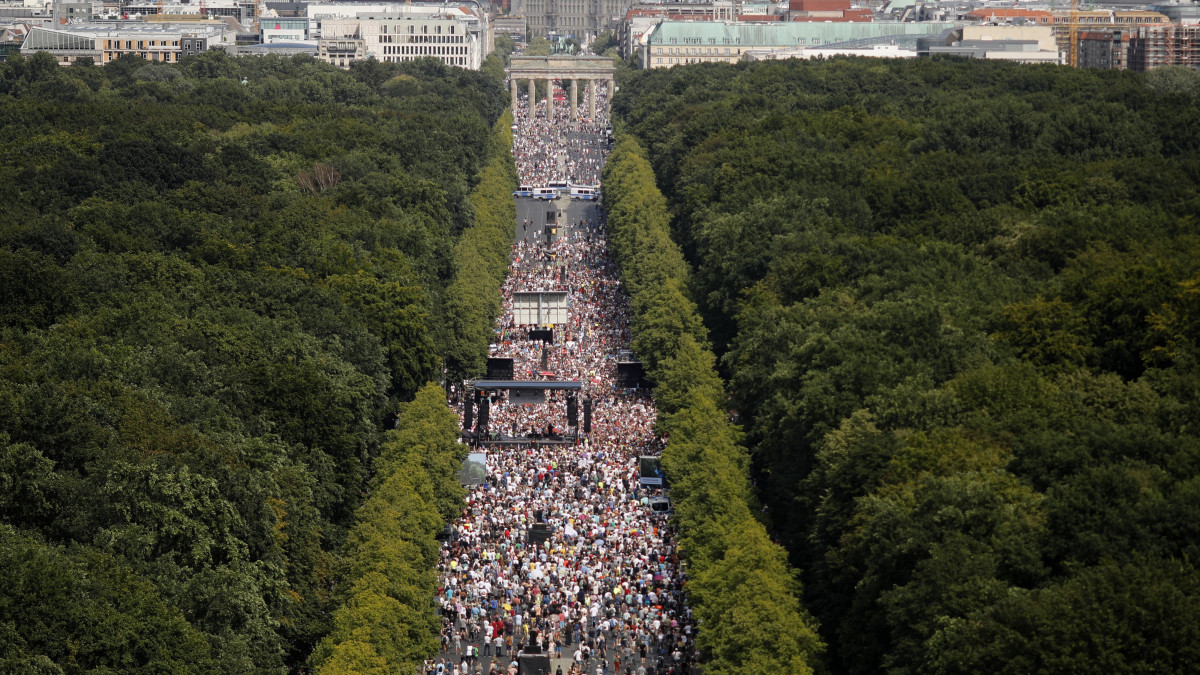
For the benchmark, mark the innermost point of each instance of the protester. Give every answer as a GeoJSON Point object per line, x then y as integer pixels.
{"type": "Point", "coordinates": [540, 141]}
{"type": "Point", "coordinates": [606, 584]}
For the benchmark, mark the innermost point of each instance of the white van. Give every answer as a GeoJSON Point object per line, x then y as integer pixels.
{"type": "Point", "coordinates": [583, 192]}
{"type": "Point", "coordinates": [524, 191]}
{"type": "Point", "coordinates": [546, 193]}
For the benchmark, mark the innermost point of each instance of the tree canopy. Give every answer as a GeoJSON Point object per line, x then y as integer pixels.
{"type": "Point", "coordinates": [220, 281]}
{"type": "Point", "coordinates": [955, 303]}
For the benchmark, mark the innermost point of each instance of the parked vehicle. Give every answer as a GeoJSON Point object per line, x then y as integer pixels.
{"type": "Point", "coordinates": [524, 191]}
{"type": "Point", "coordinates": [547, 193]}
{"type": "Point", "coordinates": [583, 192]}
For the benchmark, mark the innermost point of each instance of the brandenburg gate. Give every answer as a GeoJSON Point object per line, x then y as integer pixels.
{"type": "Point", "coordinates": [592, 69]}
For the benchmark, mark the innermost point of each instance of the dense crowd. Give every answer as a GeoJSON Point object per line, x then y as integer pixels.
{"type": "Point", "coordinates": [603, 592]}
{"type": "Point", "coordinates": [553, 148]}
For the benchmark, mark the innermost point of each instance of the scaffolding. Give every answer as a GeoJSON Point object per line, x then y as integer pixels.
{"type": "Point", "coordinates": [1168, 45]}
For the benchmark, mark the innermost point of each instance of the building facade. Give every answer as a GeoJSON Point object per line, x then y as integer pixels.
{"type": "Point", "coordinates": [1104, 49]}
{"type": "Point", "coordinates": [572, 18]}
{"type": "Point", "coordinates": [397, 38]}
{"type": "Point", "coordinates": [458, 36]}
{"type": "Point", "coordinates": [161, 43]}
{"type": "Point", "coordinates": [1170, 45]}
{"type": "Point", "coordinates": [672, 43]}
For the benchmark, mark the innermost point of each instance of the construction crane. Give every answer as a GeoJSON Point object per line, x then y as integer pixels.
{"type": "Point", "coordinates": [1073, 36]}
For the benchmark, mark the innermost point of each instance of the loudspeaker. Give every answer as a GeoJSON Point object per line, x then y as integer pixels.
{"type": "Point", "coordinates": [534, 664]}
{"type": "Point", "coordinates": [484, 405]}
{"type": "Point", "coordinates": [500, 368]}
{"type": "Point", "coordinates": [572, 411]}
{"type": "Point", "coordinates": [630, 374]}
{"type": "Point", "coordinates": [587, 415]}
{"type": "Point", "coordinates": [468, 414]}
{"type": "Point", "coordinates": [538, 533]}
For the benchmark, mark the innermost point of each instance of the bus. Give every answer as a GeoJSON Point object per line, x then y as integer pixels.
{"type": "Point", "coordinates": [558, 184]}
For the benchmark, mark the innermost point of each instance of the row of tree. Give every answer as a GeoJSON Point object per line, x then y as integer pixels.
{"type": "Point", "coordinates": [218, 282]}
{"type": "Point", "coordinates": [956, 303]}
{"type": "Point", "coordinates": [388, 620]}
{"type": "Point", "coordinates": [743, 593]}
{"type": "Point", "coordinates": [480, 260]}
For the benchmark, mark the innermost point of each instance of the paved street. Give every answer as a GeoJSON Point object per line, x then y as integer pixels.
{"type": "Point", "coordinates": [564, 212]}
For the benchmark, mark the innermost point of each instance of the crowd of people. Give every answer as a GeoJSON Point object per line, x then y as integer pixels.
{"type": "Point", "coordinates": [549, 146]}
{"type": "Point", "coordinates": [558, 551]}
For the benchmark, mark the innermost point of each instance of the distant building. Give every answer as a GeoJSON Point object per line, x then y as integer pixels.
{"type": "Point", "coordinates": [279, 48]}
{"type": "Point", "coordinates": [643, 16]}
{"type": "Point", "coordinates": [161, 43]}
{"type": "Point", "coordinates": [577, 18]}
{"type": "Point", "coordinates": [672, 43]}
{"type": "Point", "coordinates": [512, 26]}
{"type": "Point", "coordinates": [456, 35]}
{"type": "Point", "coordinates": [827, 10]}
{"type": "Point", "coordinates": [1104, 49]}
{"type": "Point", "coordinates": [241, 11]}
{"type": "Point", "coordinates": [1021, 44]}
{"type": "Point", "coordinates": [283, 29]}
{"type": "Point", "coordinates": [884, 51]}
{"type": "Point", "coordinates": [1170, 45]}
{"type": "Point", "coordinates": [1092, 22]}
{"type": "Point", "coordinates": [1010, 15]}
{"type": "Point", "coordinates": [1181, 14]}
{"type": "Point", "coordinates": [11, 37]}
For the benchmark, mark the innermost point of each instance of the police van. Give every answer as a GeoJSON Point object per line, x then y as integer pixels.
{"type": "Point", "coordinates": [524, 191]}
{"type": "Point", "coordinates": [583, 192]}
{"type": "Point", "coordinates": [546, 193]}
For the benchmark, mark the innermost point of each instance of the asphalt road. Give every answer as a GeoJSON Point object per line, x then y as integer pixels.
{"type": "Point", "coordinates": [564, 212]}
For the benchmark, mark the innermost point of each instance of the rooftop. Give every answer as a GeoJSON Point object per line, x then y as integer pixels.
{"type": "Point", "coordinates": [723, 33]}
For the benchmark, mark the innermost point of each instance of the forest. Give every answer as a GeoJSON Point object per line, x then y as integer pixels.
{"type": "Point", "coordinates": [956, 305]}
{"type": "Point", "coordinates": [222, 286]}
